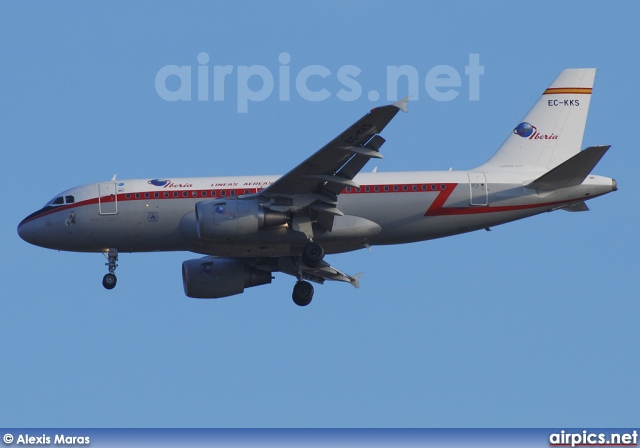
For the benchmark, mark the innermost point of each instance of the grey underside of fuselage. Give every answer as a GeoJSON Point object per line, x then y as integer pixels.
{"type": "Point", "coordinates": [169, 225]}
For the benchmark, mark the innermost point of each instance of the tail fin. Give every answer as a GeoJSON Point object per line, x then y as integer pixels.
{"type": "Point", "coordinates": [552, 130]}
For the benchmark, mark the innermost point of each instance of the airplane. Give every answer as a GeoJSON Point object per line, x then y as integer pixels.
{"type": "Point", "coordinates": [249, 228]}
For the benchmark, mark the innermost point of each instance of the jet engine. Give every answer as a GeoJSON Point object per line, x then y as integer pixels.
{"type": "Point", "coordinates": [234, 218]}
{"type": "Point", "coordinates": [212, 278]}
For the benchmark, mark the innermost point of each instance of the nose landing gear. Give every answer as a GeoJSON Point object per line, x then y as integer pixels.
{"type": "Point", "coordinates": [109, 280]}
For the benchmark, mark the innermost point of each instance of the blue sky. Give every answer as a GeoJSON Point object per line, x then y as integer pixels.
{"type": "Point", "coordinates": [534, 324]}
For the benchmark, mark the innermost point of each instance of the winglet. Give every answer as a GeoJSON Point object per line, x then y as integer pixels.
{"type": "Point", "coordinates": [354, 280]}
{"type": "Point", "coordinates": [402, 104]}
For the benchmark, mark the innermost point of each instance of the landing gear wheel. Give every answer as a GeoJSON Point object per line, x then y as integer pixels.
{"type": "Point", "coordinates": [312, 254]}
{"type": "Point", "coordinates": [302, 293]}
{"type": "Point", "coordinates": [109, 281]}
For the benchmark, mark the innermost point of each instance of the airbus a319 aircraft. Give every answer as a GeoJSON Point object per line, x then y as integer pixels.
{"type": "Point", "coordinates": [251, 227]}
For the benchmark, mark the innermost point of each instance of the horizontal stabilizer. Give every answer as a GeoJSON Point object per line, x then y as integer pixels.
{"type": "Point", "coordinates": [577, 207]}
{"type": "Point", "coordinates": [571, 172]}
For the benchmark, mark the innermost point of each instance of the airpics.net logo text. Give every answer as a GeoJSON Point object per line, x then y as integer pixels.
{"type": "Point", "coordinates": [255, 83]}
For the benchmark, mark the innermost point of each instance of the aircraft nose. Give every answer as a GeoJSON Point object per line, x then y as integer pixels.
{"type": "Point", "coordinates": [29, 230]}
{"type": "Point", "coordinates": [26, 231]}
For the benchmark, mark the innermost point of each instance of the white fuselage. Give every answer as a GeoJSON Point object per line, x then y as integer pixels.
{"type": "Point", "coordinates": [158, 214]}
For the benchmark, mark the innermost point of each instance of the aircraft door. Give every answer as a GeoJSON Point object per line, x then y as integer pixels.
{"type": "Point", "coordinates": [478, 189]}
{"type": "Point", "coordinates": [108, 198]}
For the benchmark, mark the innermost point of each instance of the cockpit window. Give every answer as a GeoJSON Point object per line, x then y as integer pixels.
{"type": "Point", "coordinates": [61, 200]}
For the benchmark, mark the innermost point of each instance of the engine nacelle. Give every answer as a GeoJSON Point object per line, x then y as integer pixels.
{"type": "Point", "coordinates": [212, 278]}
{"type": "Point", "coordinates": [234, 218]}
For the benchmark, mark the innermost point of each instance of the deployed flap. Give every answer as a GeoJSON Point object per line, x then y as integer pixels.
{"type": "Point", "coordinates": [572, 172]}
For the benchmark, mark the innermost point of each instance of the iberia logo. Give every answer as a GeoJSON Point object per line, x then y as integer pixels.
{"type": "Point", "coordinates": [527, 130]}
{"type": "Point", "coordinates": [164, 183]}
{"type": "Point", "coordinates": [159, 182]}
{"type": "Point", "coordinates": [524, 129]}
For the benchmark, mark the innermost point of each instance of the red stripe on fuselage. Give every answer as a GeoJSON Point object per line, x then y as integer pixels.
{"type": "Point", "coordinates": [227, 194]}
{"type": "Point", "coordinates": [437, 208]}
{"type": "Point", "coordinates": [439, 201]}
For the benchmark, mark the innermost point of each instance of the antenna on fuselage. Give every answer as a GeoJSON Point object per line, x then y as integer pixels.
{"type": "Point", "coordinates": [114, 177]}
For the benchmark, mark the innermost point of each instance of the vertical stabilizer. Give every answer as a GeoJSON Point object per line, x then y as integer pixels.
{"type": "Point", "coordinates": [552, 130]}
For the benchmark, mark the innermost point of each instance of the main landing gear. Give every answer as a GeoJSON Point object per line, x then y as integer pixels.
{"type": "Point", "coordinates": [312, 255]}
{"type": "Point", "coordinates": [302, 293]}
{"type": "Point", "coordinates": [109, 280]}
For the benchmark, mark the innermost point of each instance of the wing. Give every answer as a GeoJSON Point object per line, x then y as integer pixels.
{"type": "Point", "coordinates": [311, 189]}
{"type": "Point", "coordinates": [318, 274]}
{"type": "Point", "coordinates": [326, 272]}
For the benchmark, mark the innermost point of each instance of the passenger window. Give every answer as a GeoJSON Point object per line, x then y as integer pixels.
{"type": "Point", "coordinates": [69, 199]}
